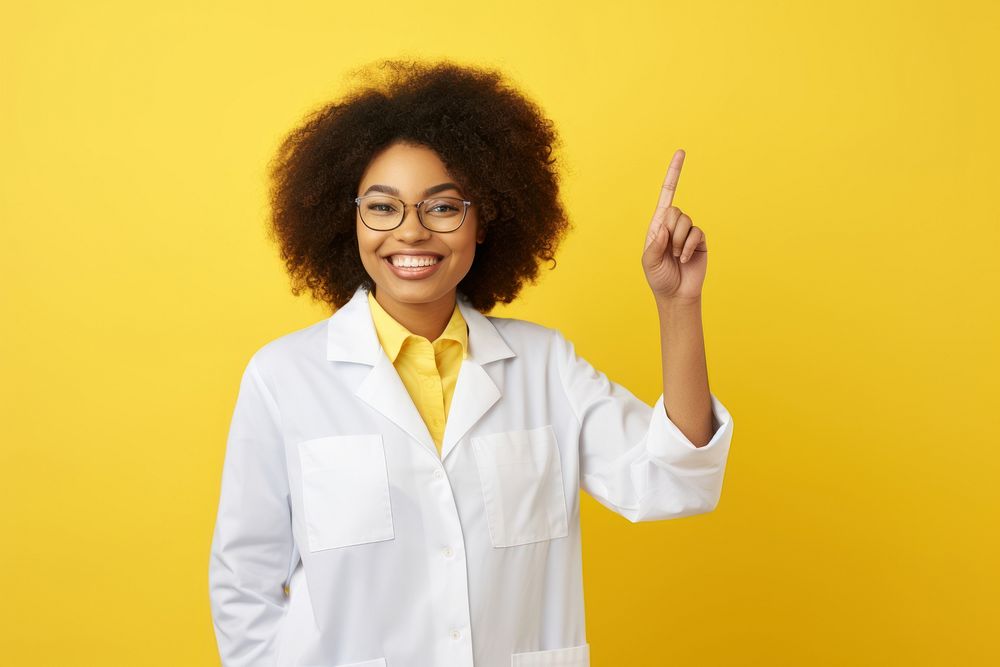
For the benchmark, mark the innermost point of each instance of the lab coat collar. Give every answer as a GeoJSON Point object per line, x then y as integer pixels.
{"type": "Point", "coordinates": [351, 337]}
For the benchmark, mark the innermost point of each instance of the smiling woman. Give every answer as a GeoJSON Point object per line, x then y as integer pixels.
{"type": "Point", "coordinates": [402, 479]}
{"type": "Point", "coordinates": [417, 255]}
{"type": "Point", "coordinates": [411, 126]}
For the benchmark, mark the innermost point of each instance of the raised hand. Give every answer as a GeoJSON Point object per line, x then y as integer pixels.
{"type": "Point", "coordinates": [675, 257]}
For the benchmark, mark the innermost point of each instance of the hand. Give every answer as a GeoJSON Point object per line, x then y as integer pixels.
{"type": "Point", "coordinates": [675, 257]}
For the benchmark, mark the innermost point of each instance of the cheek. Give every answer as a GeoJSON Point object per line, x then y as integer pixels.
{"type": "Point", "coordinates": [369, 258]}
{"type": "Point", "coordinates": [466, 250]}
{"type": "Point", "coordinates": [367, 245]}
{"type": "Point", "coordinates": [467, 245]}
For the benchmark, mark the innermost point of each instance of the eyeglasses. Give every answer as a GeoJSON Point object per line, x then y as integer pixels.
{"type": "Point", "coordinates": [383, 213]}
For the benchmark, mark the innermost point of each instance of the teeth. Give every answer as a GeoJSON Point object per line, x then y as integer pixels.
{"type": "Point", "coordinates": [413, 261]}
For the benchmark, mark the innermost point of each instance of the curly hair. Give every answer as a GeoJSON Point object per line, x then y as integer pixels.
{"type": "Point", "coordinates": [492, 139]}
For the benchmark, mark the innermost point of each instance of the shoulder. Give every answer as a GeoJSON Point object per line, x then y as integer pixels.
{"type": "Point", "coordinates": [519, 327]}
{"type": "Point", "coordinates": [528, 338]}
{"type": "Point", "coordinates": [291, 349]}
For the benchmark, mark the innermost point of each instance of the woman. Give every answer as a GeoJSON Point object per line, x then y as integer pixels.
{"type": "Point", "coordinates": [401, 479]}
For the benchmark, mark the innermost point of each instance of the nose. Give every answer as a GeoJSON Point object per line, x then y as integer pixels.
{"type": "Point", "coordinates": [410, 229]}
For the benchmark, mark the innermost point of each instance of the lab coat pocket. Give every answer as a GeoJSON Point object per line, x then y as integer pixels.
{"type": "Point", "coordinates": [521, 476]}
{"type": "Point", "coordinates": [574, 656]}
{"type": "Point", "coordinates": [345, 491]}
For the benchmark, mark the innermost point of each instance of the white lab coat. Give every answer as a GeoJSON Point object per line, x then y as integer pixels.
{"type": "Point", "coordinates": [396, 557]}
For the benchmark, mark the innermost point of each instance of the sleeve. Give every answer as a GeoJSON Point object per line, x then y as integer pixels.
{"type": "Point", "coordinates": [633, 458]}
{"type": "Point", "coordinates": [252, 545]}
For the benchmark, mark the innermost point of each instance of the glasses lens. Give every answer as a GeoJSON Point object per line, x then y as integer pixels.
{"type": "Point", "coordinates": [380, 212]}
{"type": "Point", "coordinates": [443, 214]}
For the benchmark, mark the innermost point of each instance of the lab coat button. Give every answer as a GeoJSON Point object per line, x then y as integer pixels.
{"type": "Point", "coordinates": [438, 473]}
{"type": "Point", "coordinates": [447, 551]}
{"type": "Point", "coordinates": [455, 634]}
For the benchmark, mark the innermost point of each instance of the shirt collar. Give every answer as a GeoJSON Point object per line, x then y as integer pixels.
{"type": "Point", "coordinates": [392, 334]}
{"type": "Point", "coordinates": [351, 337]}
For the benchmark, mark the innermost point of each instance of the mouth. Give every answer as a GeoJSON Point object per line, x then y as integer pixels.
{"type": "Point", "coordinates": [411, 266]}
{"type": "Point", "coordinates": [408, 260]}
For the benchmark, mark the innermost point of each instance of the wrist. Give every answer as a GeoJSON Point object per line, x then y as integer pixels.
{"type": "Point", "coordinates": [670, 305]}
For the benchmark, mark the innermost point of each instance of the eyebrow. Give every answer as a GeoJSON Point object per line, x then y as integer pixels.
{"type": "Point", "coordinates": [389, 190]}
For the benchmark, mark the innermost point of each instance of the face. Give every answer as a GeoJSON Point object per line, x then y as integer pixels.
{"type": "Point", "coordinates": [412, 171]}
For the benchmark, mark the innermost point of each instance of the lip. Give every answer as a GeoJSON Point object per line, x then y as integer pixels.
{"type": "Point", "coordinates": [415, 253]}
{"type": "Point", "coordinates": [413, 274]}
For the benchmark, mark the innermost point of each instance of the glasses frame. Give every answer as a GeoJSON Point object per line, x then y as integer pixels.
{"type": "Point", "coordinates": [420, 213]}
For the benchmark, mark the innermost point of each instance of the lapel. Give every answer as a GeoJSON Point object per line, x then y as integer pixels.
{"type": "Point", "coordinates": [351, 337]}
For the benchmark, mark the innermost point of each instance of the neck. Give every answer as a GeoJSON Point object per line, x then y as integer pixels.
{"type": "Point", "coordinates": [424, 319]}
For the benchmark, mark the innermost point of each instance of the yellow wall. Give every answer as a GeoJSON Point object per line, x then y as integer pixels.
{"type": "Point", "coordinates": [842, 158]}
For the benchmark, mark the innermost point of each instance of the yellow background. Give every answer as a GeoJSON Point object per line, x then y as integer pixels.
{"type": "Point", "coordinates": [841, 157]}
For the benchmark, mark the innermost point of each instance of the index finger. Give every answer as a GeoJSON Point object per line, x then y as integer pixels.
{"type": "Point", "coordinates": [670, 183]}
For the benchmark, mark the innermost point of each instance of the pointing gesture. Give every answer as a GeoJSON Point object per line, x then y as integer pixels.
{"type": "Point", "coordinates": [675, 256]}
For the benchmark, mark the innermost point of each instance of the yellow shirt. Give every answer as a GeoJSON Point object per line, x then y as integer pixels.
{"type": "Point", "coordinates": [428, 370]}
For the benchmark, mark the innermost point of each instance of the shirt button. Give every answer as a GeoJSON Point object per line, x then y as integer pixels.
{"type": "Point", "coordinates": [447, 551]}
{"type": "Point", "coordinates": [455, 634]}
{"type": "Point", "coordinates": [438, 473]}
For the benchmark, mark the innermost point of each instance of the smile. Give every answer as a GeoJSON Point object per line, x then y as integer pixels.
{"type": "Point", "coordinates": [412, 267]}
{"type": "Point", "coordinates": [411, 261]}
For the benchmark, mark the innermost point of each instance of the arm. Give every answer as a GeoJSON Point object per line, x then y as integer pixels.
{"type": "Point", "coordinates": [675, 261]}
{"type": "Point", "coordinates": [645, 465]}
{"type": "Point", "coordinates": [252, 544]}
{"type": "Point", "coordinates": [687, 399]}
{"type": "Point", "coordinates": [633, 459]}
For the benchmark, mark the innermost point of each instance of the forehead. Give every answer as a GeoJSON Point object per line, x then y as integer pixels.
{"type": "Point", "coordinates": [405, 165]}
